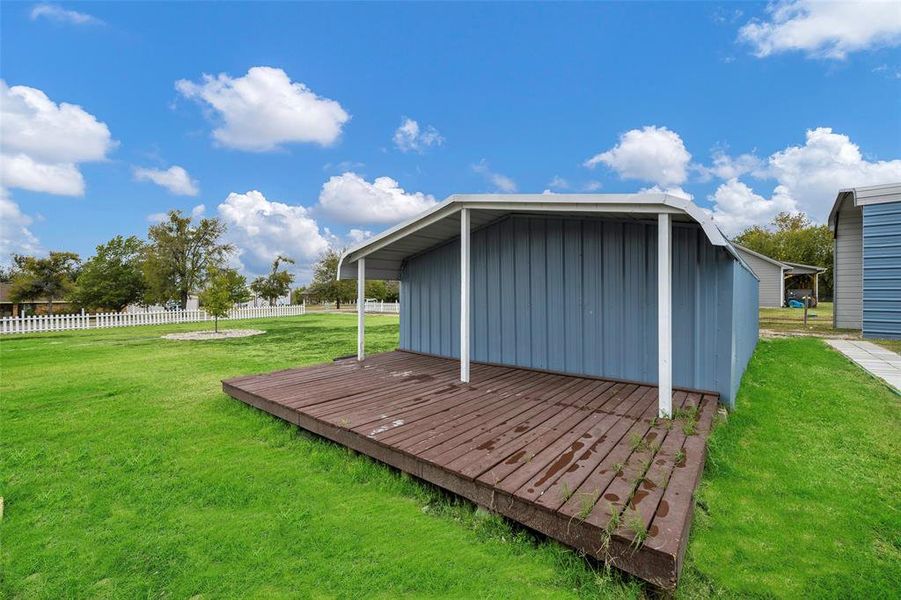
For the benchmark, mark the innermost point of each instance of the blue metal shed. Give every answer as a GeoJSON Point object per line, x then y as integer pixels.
{"type": "Point", "coordinates": [570, 283]}
{"type": "Point", "coordinates": [866, 226]}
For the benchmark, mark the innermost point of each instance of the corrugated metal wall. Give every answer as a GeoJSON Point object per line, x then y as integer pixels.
{"type": "Point", "coordinates": [882, 270]}
{"type": "Point", "coordinates": [580, 295]}
{"type": "Point", "coordinates": [770, 279]}
{"type": "Point", "coordinates": [847, 268]}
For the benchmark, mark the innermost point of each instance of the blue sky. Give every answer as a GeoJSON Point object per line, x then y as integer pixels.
{"type": "Point", "coordinates": [303, 135]}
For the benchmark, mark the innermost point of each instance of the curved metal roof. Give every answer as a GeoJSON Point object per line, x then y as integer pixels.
{"type": "Point", "coordinates": [386, 251]}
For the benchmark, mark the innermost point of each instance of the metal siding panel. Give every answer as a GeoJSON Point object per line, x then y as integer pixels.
{"type": "Point", "coordinates": [522, 298]}
{"type": "Point", "coordinates": [493, 285]}
{"type": "Point", "coordinates": [507, 293]}
{"type": "Point", "coordinates": [572, 290]}
{"type": "Point", "coordinates": [591, 260]}
{"type": "Point", "coordinates": [848, 272]}
{"type": "Point", "coordinates": [555, 296]}
{"type": "Point", "coordinates": [881, 295]}
{"type": "Point", "coordinates": [582, 297]}
{"type": "Point", "coordinates": [612, 296]}
{"type": "Point", "coordinates": [770, 279]}
{"type": "Point", "coordinates": [539, 293]}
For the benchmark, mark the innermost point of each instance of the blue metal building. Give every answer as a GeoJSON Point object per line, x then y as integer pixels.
{"type": "Point", "coordinates": [866, 226]}
{"type": "Point", "coordinates": [571, 283]}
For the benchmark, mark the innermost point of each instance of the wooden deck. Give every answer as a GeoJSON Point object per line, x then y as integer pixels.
{"type": "Point", "coordinates": [582, 460]}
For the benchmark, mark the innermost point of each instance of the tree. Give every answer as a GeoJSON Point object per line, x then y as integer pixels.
{"type": "Point", "coordinates": [275, 285]}
{"type": "Point", "coordinates": [224, 288]}
{"type": "Point", "coordinates": [325, 284]}
{"type": "Point", "coordinates": [178, 257]}
{"type": "Point", "coordinates": [793, 237]}
{"type": "Point", "coordinates": [112, 278]}
{"type": "Point", "coordinates": [386, 291]}
{"type": "Point", "coordinates": [46, 279]}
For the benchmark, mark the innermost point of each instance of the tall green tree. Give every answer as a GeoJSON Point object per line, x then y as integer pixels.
{"type": "Point", "coordinates": [48, 279]}
{"type": "Point", "coordinates": [224, 288]}
{"type": "Point", "coordinates": [793, 237]}
{"type": "Point", "coordinates": [112, 278]}
{"type": "Point", "coordinates": [326, 286]}
{"type": "Point", "coordinates": [275, 285]}
{"type": "Point", "coordinates": [178, 257]}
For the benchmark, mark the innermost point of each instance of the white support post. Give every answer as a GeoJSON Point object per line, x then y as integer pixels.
{"type": "Point", "coordinates": [464, 295]}
{"type": "Point", "coordinates": [664, 317]}
{"type": "Point", "coordinates": [781, 287]}
{"type": "Point", "coordinates": [816, 286]}
{"type": "Point", "coordinates": [361, 307]}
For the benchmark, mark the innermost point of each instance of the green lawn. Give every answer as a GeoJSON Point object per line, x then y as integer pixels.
{"type": "Point", "coordinates": [126, 472]}
{"type": "Point", "coordinates": [819, 319]}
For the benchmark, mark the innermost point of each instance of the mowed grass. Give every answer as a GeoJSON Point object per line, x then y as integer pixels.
{"type": "Point", "coordinates": [126, 472]}
{"type": "Point", "coordinates": [819, 319]}
{"type": "Point", "coordinates": [802, 488]}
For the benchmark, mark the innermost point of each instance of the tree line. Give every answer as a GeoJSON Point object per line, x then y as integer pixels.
{"type": "Point", "coordinates": [179, 258]}
{"type": "Point", "coordinates": [793, 237]}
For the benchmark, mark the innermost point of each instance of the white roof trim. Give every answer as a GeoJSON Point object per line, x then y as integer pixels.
{"type": "Point", "coordinates": [862, 196]}
{"type": "Point", "coordinates": [761, 256]}
{"type": "Point", "coordinates": [650, 203]}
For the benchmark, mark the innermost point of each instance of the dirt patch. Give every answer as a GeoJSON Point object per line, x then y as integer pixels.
{"type": "Point", "coordinates": [212, 335]}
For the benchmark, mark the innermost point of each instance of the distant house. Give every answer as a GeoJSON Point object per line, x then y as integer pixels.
{"type": "Point", "coordinates": [8, 308]}
{"type": "Point", "coordinates": [574, 284]}
{"type": "Point", "coordinates": [776, 276]}
{"type": "Point", "coordinates": [866, 226]}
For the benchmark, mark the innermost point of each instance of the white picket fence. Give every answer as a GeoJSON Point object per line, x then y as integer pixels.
{"type": "Point", "coordinates": [42, 323]}
{"type": "Point", "coordinates": [377, 306]}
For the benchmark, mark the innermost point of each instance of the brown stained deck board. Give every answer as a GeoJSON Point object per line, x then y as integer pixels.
{"type": "Point", "coordinates": [558, 453]}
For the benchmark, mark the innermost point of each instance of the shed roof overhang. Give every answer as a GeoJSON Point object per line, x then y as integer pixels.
{"type": "Point", "coordinates": [385, 252]}
{"type": "Point", "coordinates": [861, 196]}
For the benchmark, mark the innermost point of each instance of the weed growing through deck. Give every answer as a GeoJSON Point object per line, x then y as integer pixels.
{"type": "Point", "coordinates": [690, 427]}
{"type": "Point", "coordinates": [636, 524]}
{"type": "Point", "coordinates": [615, 521]}
{"type": "Point", "coordinates": [565, 492]}
{"type": "Point", "coordinates": [689, 417]}
{"type": "Point", "coordinates": [586, 504]}
{"type": "Point", "coordinates": [618, 468]}
{"type": "Point", "coordinates": [635, 441]}
{"type": "Point", "coordinates": [680, 456]}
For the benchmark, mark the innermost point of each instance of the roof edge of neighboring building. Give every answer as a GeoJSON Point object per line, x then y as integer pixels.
{"type": "Point", "coordinates": [862, 196]}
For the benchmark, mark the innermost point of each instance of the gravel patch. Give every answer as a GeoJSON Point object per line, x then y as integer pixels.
{"type": "Point", "coordinates": [211, 335]}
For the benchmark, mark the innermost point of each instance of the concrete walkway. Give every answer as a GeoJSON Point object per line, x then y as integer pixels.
{"type": "Point", "coordinates": [879, 361]}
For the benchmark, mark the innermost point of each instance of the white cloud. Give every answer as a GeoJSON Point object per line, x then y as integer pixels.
{"type": "Point", "coordinates": [410, 137]}
{"type": "Point", "coordinates": [21, 171]}
{"type": "Point", "coordinates": [824, 29]}
{"type": "Point", "coordinates": [264, 109]}
{"type": "Point", "coordinates": [558, 183]}
{"type": "Point", "coordinates": [59, 14]}
{"type": "Point", "coordinates": [43, 142]}
{"type": "Point", "coordinates": [736, 206]}
{"type": "Point", "coordinates": [653, 154]}
{"type": "Point", "coordinates": [807, 177]}
{"type": "Point", "coordinates": [672, 191]}
{"type": "Point", "coordinates": [262, 230]}
{"type": "Point", "coordinates": [156, 218]}
{"type": "Point", "coordinates": [198, 211]}
{"type": "Point", "coordinates": [813, 173]}
{"type": "Point", "coordinates": [15, 235]}
{"type": "Point", "coordinates": [175, 179]}
{"type": "Point", "coordinates": [592, 186]}
{"type": "Point", "coordinates": [355, 236]}
{"type": "Point", "coordinates": [349, 198]}
{"type": "Point", "coordinates": [500, 182]}
{"type": "Point", "coordinates": [730, 167]}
